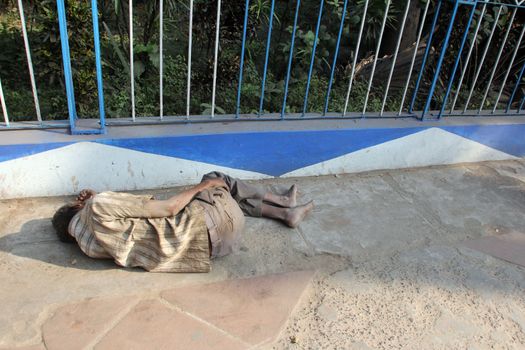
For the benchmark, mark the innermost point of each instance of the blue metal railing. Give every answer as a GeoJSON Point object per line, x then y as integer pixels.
{"type": "Point", "coordinates": [443, 42]}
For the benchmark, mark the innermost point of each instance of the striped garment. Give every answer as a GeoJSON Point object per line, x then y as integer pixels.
{"type": "Point", "coordinates": [116, 226]}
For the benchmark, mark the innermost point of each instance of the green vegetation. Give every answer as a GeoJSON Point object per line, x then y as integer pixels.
{"type": "Point", "coordinates": [44, 37]}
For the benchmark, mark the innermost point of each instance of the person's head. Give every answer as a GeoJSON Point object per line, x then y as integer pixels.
{"type": "Point", "coordinates": [62, 218]}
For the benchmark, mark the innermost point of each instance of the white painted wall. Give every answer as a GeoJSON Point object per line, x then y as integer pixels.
{"type": "Point", "coordinates": [67, 170]}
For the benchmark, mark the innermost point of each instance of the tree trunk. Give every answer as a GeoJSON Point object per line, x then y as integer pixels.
{"type": "Point", "coordinates": [391, 36]}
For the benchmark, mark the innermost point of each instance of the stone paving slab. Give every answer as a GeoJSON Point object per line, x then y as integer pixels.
{"type": "Point", "coordinates": [508, 246]}
{"type": "Point", "coordinates": [356, 215]}
{"type": "Point", "coordinates": [152, 325]}
{"type": "Point", "coordinates": [387, 248]}
{"type": "Point", "coordinates": [252, 309]}
{"type": "Point", "coordinates": [77, 326]}
{"type": "Point", "coordinates": [472, 200]}
{"type": "Point", "coordinates": [233, 314]}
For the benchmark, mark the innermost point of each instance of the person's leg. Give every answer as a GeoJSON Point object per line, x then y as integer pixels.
{"type": "Point", "coordinates": [251, 197]}
{"type": "Point", "coordinates": [286, 200]}
{"type": "Point", "coordinates": [290, 216]}
{"type": "Point", "coordinates": [239, 189]}
{"type": "Point", "coordinates": [248, 196]}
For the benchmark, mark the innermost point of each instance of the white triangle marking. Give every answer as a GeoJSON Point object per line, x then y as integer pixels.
{"type": "Point", "coordinates": [433, 146]}
{"type": "Point", "coordinates": [67, 170]}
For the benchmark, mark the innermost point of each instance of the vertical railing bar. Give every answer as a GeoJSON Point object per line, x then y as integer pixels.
{"type": "Point", "coordinates": [98, 64]}
{"type": "Point", "coordinates": [336, 54]}
{"type": "Point", "coordinates": [498, 57]}
{"type": "Point", "coordinates": [354, 63]}
{"type": "Point", "coordinates": [377, 56]}
{"type": "Point", "coordinates": [425, 57]}
{"type": "Point", "coordinates": [511, 64]}
{"type": "Point", "coordinates": [480, 66]}
{"type": "Point", "coordinates": [413, 62]}
{"type": "Point", "coordinates": [398, 45]}
{"type": "Point", "coordinates": [161, 58]}
{"type": "Point", "coordinates": [66, 60]}
{"type": "Point", "coordinates": [458, 58]}
{"type": "Point", "coordinates": [469, 55]}
{"type": "Point", "coordinates": [442, 57]}
{"type": "Point", "coordinates": [4, 107]}
{"type": "Point", "coordinates": [266, 59]}
{"type": "Point", "coordinates": [216, 57]}
{"type": "Point", "coordinates": [241, 68]}
{"type": "Point", "coordinates": [190, 44]}
{"type": "Point", "coordinates": [521, 104]}
{"type": "Point", "coordinates": [29, 61]}
{"type": "Point", "coordinates": [290, 58]}
{"type": "Point", "coordinates": [131, 61]}
{"type": "Point", "coordinates": [312, 60]}
{"type": "Point", "coordinates": [518, 82]}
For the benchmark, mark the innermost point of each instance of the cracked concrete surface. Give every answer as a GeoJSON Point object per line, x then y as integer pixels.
{"type": "Point", "coordinates": [392, 272]}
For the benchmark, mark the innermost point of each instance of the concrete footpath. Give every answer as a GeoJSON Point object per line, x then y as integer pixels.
{"type": "Point", "coordinates": [379, 264]}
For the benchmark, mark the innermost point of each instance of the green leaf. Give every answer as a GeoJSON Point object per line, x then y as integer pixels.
{"type": "Point", "coordinates": [138, 68]}
{"type": "Point", "coordinates": [117, 49]}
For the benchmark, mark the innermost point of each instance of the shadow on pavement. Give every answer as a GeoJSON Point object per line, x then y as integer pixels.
{"type": "Point", "coordinates": [37, 241]}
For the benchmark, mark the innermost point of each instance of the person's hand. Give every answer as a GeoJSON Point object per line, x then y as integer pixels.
{"type": "Point", "coordinates": [84, 195]}
{"type": "Point", "coordinates": [216, 182]}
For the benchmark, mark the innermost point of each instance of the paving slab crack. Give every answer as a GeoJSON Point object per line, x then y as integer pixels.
{"type": "Point", "coordinates": [309, 246]}
{"type": "Point", "coordinates": [210, 325]}
{"type": "Point", "coordinates": [112, 324]}
{"type": "Point", "coordinates": [425, 212]}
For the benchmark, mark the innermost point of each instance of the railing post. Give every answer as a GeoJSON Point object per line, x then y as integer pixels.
{"type": "Point", "coordinates": [518, 82]}
{"type": "Point", "coordinates": [161, 59]}
{"type": "Point", "coordinates": [66, 60]}
{"type": "Point", "coordinates": [241, 68]}
{"type": "Point", "coordinates": [380, 40]}
{"type": "Point", "coordinates": [268, 42]}
{"type": "Point", "coordinates": [496, 64]}
{"type": "Point", "coordinates": [98, 63]}
{"type": "Point", "coordinates": [4, 107]}
{"type": "Point", "coordinates": [356, 55]}
{"type": "Point", "coordinates": [68, 76]}
{"type": "Point", "coordinates": [440, 60]}
{"type": "Point", "coordinates": [312, 60]}
{"type": "Point", "coordinates": [131, 61]}
{"type": "Point", "coordinates": [290, 58]}
{"type": "Point", "coordinates": [414, 56]}
{"type": "Point", "coordinates": [190, 44]}
{"type": "Point", "coordinates": [216, 57]}
{"type": "Point", "coordinates": [425, 57]}
{"type": "Point", "coordinates": [29, 61]}
{"type": "Point", "coordinates": [485, 52]}
{"type": "Point", "coordinates": [511, 64]}
{"type": "Point", "coordinates": [469, 55]}
{"type": "Point", "coordinates": [390, 75]}
{"type": "Point", "coordinates": [336, 54]}
{"type": "Point", "coordinates": [456, 64]}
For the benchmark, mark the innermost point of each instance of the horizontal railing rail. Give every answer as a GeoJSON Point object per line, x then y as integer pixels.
{"type": "Point", "coordinates": [463, 58]}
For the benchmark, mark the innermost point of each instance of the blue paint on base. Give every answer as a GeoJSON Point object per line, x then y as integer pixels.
{"type": "Point", "coordinates": [271, 153]}
{"type": "Point", "coordinates": [277, 153]}
{"type": "Point", "coordinates": [9, 152]}
{"type": "Point", "coordinates": [504, 138]}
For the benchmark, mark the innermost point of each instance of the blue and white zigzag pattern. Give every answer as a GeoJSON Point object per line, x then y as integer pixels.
{"type": "Point", "coordinates": [142, 163]}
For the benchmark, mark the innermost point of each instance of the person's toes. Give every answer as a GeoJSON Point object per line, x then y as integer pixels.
{"type": "Point", "coordinates": [292, 196]}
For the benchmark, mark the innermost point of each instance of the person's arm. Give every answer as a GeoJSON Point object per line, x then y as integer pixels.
{"type": "Point", "coordinates": [173, 205]}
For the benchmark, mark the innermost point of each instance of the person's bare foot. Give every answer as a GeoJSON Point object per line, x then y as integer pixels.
{"type": "Point", "coordinates": [295, 215]}
{"type": "Point", "coordinates": [290, 197]}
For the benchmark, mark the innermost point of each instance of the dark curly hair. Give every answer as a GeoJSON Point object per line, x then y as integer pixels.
{"type": "Point", "coordinates": [62, 218]}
